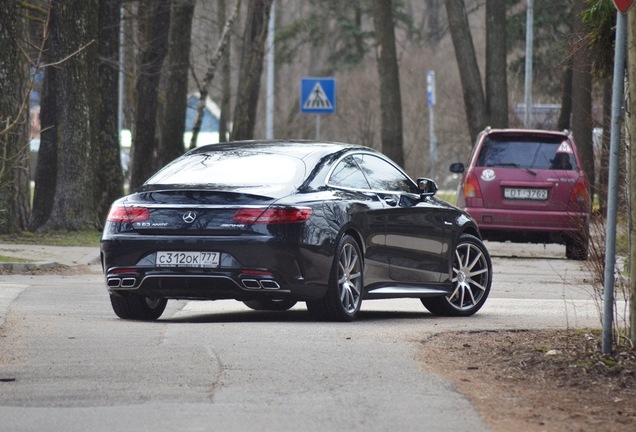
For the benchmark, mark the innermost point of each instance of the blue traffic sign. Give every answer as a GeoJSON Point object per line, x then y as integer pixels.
{"type": "Point", "coordinates": [318, 95]}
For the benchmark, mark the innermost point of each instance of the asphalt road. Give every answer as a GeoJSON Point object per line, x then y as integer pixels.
{"type": "Point", "coordinates": [68, 363]}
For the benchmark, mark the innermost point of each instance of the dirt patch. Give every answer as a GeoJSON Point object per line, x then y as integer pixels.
{"type": "Point", "coordinates": [539, 380]}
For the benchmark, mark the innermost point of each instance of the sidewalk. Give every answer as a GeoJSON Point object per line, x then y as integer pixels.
{"type": "Point", "coordinates": [31, 256]}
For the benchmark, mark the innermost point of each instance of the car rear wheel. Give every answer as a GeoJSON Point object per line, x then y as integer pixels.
{"type": "Point", "coordinates": [137, 307]}
{"type": "Point", "coordinates": [471, 279]}
{"type": "Point", "coordinates": [577, 248]}
{"type": "Point", "coordinates": [344, 295]}
{"type": "Point", "coordinates": [270, 304]}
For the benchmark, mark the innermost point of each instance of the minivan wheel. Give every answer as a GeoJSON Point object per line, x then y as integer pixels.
{"type": "Point", "coordinates": [577, 248]}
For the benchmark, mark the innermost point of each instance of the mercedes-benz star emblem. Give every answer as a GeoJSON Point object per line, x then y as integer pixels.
{"type": "Point", "coordinates": [189, 217]}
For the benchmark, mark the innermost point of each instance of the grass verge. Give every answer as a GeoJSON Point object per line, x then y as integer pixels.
{"type": "Point", "coordinates": [54, 238]}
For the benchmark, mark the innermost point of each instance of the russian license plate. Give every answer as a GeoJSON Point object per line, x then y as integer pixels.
{"type": "Point", "coordinates": [525, 194]}
{"type": "Point", "coordinates": [187, 259]}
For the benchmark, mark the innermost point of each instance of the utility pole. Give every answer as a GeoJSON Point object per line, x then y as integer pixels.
{"type": "Point", "coordinates": [430, 93]}
{"type": "Point", "coordinates": [612, 188]}
{"type": "Point", "coordinates": [527, 116]}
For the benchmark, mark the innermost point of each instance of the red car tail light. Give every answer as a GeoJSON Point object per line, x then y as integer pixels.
{"type": "Point", "coordinates": [273, 215]}
{"type": "Point", "coordinates": [471, 187]}
{"type": "Point", "coordinates": [122, 214]}
{"type": "Point", "coordinates": [580, 195]}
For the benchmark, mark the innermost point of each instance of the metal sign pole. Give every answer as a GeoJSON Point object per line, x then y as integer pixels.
{"type": "Point", "coordinates": [612, 188]}
{"type": "Point", "coordinates": [317, 127]}
{"type": "Point", "coordinates": [430, 93]}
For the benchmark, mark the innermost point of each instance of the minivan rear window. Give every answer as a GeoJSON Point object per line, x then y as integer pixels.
{"type": "Point", "coordinates": [526, 152]}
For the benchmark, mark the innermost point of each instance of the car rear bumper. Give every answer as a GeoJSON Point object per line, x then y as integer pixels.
{"type": "Point", "coordinates": [200, 285]}
{"type": "Point", "coordinates": [278, 271]}
{"type": "Point", "coordinates": [556, 226]}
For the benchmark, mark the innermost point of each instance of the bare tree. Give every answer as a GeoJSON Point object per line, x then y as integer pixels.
{"type": "Point", "coordinates": [388, 71]}
{"type": "Point", "coordinates": [46, 170]}
{"type": "Point", "coordinates": [108, 169]}
{"type": "Point", "coordinates": [204, 86]}
{"type": "Point", "coordinates": [154, 26]}
{"type": "Point", "coordinates": [13, 117]}
{"type": "Point", "coordinates": [225, 79]}
{"type": "Point", "coordinates": [582, 93]}
{"type": "Point", "coordinates": [474, 100]}
{"type": "Point", "coordinates": [73, 41]}
{"type": "Point", "coordinates": [175, 79]}
{"type": "Point", "coordinates": [496, 64]}
{"type": "Point", "coordinates": [251, 69]}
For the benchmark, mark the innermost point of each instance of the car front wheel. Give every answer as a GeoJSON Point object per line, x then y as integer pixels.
{"type": "Point", "coordinates": [471, 280]}
{"type": "Point", "coordinates": [344, 294]}
{"type": "Point", "coordinates": [137, 307]}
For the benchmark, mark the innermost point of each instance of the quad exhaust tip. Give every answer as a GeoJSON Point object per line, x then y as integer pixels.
{"type": "Point", "coordinates": [268, 284]}
{"type": "Point", "coordinates": [127, 282]}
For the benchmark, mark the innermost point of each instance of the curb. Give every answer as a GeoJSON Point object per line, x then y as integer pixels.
{"type": "Point", "coordinates": [28, 266]}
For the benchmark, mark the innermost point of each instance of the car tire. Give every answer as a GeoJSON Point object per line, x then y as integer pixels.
{"type": "Point", "coordinates": [471, 280]}
{"type": "Point", "coordinates": [577, 248]}
{"type": "Point", "coordinates": [344, 293]}
{"type": "Point", "coordinates": [270, 304]}
{"type": "Point", "coordinates": [137, 307]}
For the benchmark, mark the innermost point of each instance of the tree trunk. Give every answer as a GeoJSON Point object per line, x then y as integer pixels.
{"type": "Point", "coordinates": [46, 169]}
{"type": "Point", "coordinates": [175, 79]}
{"type": "Point", "coordinates": [251, 69]}
{"type": "Point", "coordinates": [434, 32]}
{"type": "Point", "coordinates": [496, 64]}
{"type": "Point", "coordinates": [154, 38]}
{"type": "Point", "coordinates": [13, 118]}
{"type": "Point", "coordinates": [389, 73]}
{"type": "Point", "coordinates": [225, 79]}
{"type": "Point", "coordinates": [566, 99]}
{"type": "Point", "coordinates": [474, 101]}
{"type": "Point", "coordinates": [108, 171]}
{"type": "Point", "coordinates": [74, 205]}
{"type": "Point", "coordinates": [582, 97]}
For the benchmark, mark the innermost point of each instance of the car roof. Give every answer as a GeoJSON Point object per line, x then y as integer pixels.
{"type": "Point", "coordinates": [301, 149]}
{"type": "Point", "coordinates": [537, 132]}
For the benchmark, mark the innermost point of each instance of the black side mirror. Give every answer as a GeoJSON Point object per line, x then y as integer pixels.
{"type": "Point", "coordinates": [426, 186]}
{"type": "Point", "coordinates": [457, 168]}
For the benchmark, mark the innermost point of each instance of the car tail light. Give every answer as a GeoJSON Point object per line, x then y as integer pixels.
{"type": "Point", "coordinates": [580, 195]}
{"type": "Point", "coordinates": [272, 215]}
{"type": "Point", "coordinates": [122, 214]}
{"type": "Point", "coordinates": [471, 187]}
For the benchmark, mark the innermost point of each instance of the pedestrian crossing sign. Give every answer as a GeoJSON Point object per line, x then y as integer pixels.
{"type": "Point", "coordinates": [318, 95]}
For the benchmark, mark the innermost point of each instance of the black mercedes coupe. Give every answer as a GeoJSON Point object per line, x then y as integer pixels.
{"type": "Point", "coordinates": [273, 223]}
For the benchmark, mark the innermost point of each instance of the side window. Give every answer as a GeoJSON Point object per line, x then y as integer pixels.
{"type": "Point", "coordinates": [347, 174]}
{"type": "Point", "coordinates": [383, 176]}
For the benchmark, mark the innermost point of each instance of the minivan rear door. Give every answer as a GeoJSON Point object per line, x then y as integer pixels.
{"type": "Point", "coordinates": [526, 172]}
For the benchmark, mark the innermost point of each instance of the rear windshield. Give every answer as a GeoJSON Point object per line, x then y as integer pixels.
{"type": "Point", "coordinates": [232, 169]}
{"type": "Point", "coordinates": [527, 152]}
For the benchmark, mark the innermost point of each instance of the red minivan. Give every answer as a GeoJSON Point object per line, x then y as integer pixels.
{"type": "Point", "coordinates": [527, 186]}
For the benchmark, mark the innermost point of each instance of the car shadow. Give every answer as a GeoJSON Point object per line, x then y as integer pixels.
{"type": "Point", "coordinates": [294, 315]}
